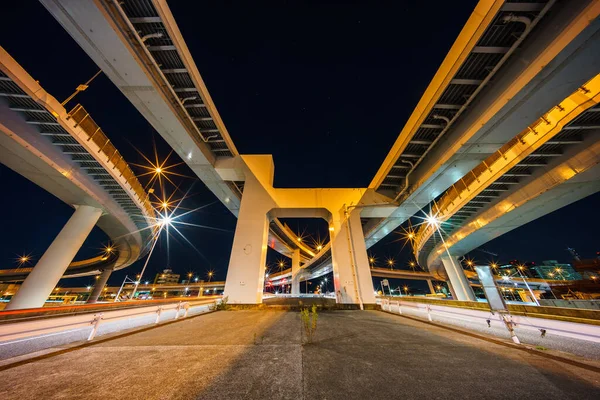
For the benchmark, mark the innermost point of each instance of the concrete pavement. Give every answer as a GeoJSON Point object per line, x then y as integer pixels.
{"type": "Point", "coordinates": [258, 354]}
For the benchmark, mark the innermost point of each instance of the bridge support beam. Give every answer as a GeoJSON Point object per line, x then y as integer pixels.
{"type": "Point", "coordinates": [351, 272]}
{"type": "Point", "coordinates": [458, 279]}
{"type": "Point", "coordinates": [261, 201]}
{"type": "Point", "coordinates": [296, 272]}
{"type": "Point", "coordinates": [246, 272]}
{"type": "Point", "coordinates": [45, 275]}
{"type": "Point", "coordinates": [100, 283]}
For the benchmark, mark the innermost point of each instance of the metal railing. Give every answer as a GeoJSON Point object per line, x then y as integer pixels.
{"type": "Point", "coordinates": [43, 327]}
{"type": "Point", "coordinates": [97, 136]}
{"type": "Point", "coordinates": [483, 318]}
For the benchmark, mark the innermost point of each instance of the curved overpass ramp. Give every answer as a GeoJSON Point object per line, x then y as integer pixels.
{"type": "Point", "coordinates": [68, 155]}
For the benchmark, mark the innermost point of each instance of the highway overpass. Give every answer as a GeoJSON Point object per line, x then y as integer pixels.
{"type": "Point", "coordinates": [68, 155]}
{"type": "Point", "coordinates": [511, 63]}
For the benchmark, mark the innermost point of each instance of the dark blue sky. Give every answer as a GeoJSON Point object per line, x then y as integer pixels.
{"type": "Point", "coordinates": [324, 88]}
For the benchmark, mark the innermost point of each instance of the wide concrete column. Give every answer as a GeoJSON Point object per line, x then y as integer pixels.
{"type": "Point", "coordinates": [296, 272]}
{"type": "Point", "coordinates": [458, 279]}
{"type": "Point", "coordinates": [100, 283]}
{"type": "Point", "coordinates": [351, 272]}
{"type": "Point", "coordinates": [246, 273]}
{"type": "Point", "coordinates": [51, 267]}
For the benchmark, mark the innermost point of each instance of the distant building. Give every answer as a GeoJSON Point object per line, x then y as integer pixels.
{"type": "Point", "coordinates": [166, 277]}
{"type": "Point", "coordinates": [553, 270]}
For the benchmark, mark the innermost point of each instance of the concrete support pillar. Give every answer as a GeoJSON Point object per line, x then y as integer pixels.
{"type": "Point", "coordinates": [351, 272]}
{"type": "Point", "coordinates": [100, 283]}
{"type": "Point", "coordinates": [50, 268]}
{"type": "Point", "coordinates": [458, 279]}
{"type": "Point", "coordinates": [431, 288]}
{"type": "Point", "coordinates": [246, 272]}
{"type": "Point", "coordinates": [296, 272]}
{"type": "Point", "coordinates": [452, 292]}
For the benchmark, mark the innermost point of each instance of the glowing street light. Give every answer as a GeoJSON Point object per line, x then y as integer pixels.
{"type": "Point", "coordinates": [432, 220]}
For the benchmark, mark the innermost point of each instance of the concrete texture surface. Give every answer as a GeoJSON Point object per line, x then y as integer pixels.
{"type": "Point", "coordinates": [258, 354]}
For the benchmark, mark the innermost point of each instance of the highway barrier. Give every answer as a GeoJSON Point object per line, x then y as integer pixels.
{"type": "Point", "coordinates": [112, 320]}
{"type": "Point", "coordinates": [448, 314]}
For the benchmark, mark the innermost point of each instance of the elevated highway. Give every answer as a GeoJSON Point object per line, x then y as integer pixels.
{"type": "Point", "coordinates": [511, 63]}
{"type": "Point", "coordinates": [68, 155]}
{"type": "Point", "coordinates": [547, 166]}
{"type": "Point", "coordinates": [139, 47]}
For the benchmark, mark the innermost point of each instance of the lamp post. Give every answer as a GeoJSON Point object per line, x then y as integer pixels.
{"type": "Point", "coordinates": [519, 268]}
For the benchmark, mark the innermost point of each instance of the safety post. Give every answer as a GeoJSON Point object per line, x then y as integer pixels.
{"type": "Point", "coordinates": [96, 323]}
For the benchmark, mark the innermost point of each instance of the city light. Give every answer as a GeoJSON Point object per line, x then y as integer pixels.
{"type": "Point", "coordinates": [23, 259]}
{"type": "Point", "coordinates": [432, 220]}
{"type": "Point", "coordinates": [165, 220]}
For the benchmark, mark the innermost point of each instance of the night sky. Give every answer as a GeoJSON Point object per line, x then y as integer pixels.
{"type": "Point", "coordinates": [324, 88]}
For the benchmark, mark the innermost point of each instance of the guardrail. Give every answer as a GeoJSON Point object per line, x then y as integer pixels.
{"type": "Point", "coordinates": [44, 327]}
{"type": "Point", "coordinates": [96, 135]}
{"type": "Point", "coordinates": [543, 326]}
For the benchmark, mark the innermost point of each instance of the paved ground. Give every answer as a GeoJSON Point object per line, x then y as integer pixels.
{"type": "Point", "coordinates": [259, 355]}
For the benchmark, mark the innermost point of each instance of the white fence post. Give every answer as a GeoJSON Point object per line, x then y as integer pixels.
{"type": "Point", "coordinates": [177, 310]}
{"type": "Point", "coordinates": [429, 312]}
{"type": "Point", "coordinates": [158, 314]}
{"type": "Point", "coordinates": [96, 324]}
{"type": "Point", "coordinates": [399, 309]}
{"type": "Point", "coordinates": [186, 307]}
{"type": "Point", "coordinates": [510, 326]}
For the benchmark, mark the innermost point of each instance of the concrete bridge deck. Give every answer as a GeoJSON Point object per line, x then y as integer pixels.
{"type": "Point", "coordinates": [259, 354]}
